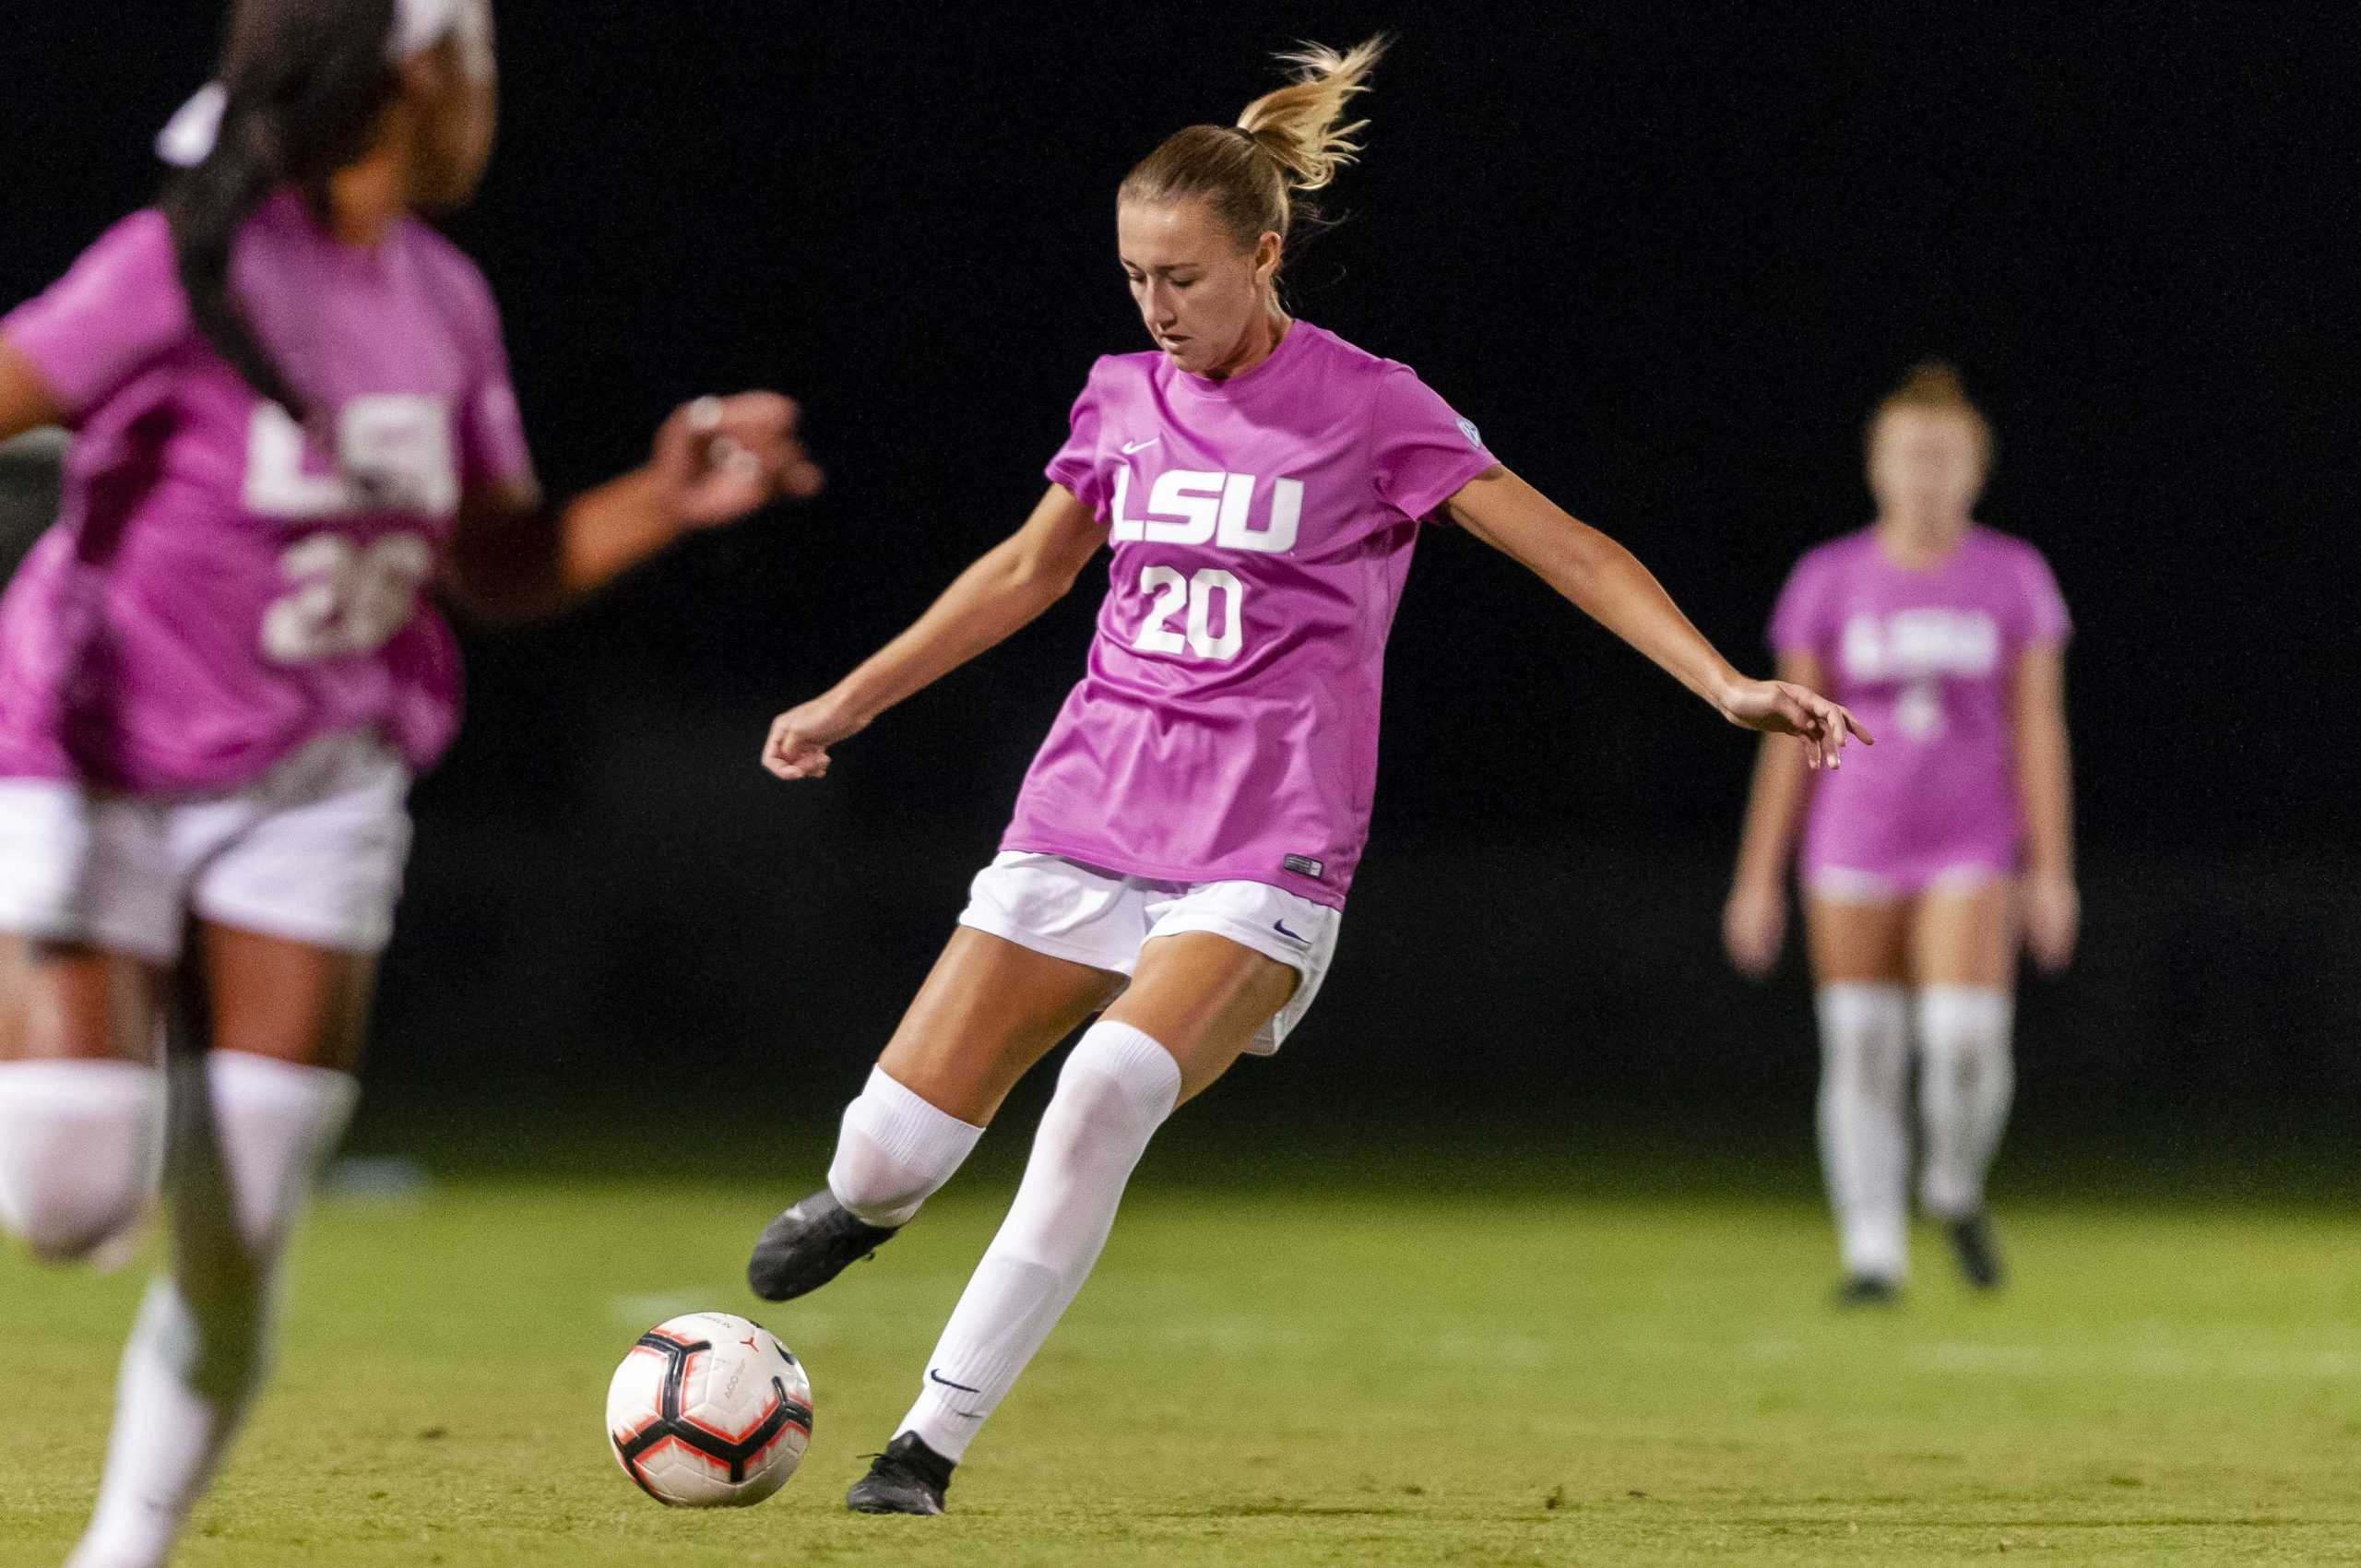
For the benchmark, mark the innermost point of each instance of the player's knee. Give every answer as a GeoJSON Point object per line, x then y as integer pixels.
{"type": "Point", "coordinates": [78, 1147]}
{"type": "Point", "coordinates": [894, 1151]}
{"type": "Point", "coordinates": [1118, 1079]}
{"type": "Point", "coordinates": [66, 1209]}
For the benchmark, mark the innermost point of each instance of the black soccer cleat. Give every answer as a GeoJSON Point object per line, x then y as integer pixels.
{"type": "Point", "coordinates": [908, 1477]}
{"type": "Point", "coordinates": [1869, 1291]}
{"type": "Point", "coordinates": [809, 1245]}
{"type": "Point", "coordinates": [1979, 1257]}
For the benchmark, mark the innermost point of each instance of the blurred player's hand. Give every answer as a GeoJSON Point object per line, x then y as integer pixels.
{"type": "Point", "coordinates": [800, 738]}
{"type": "Point", "coordinates": [1782, 707]}
{"type": "Point", "coordinates": [2053, 920]}
{"type": "Point", "coordinates": [1754, 926]}
{"type": "Point", "coordinates": [719, 458]}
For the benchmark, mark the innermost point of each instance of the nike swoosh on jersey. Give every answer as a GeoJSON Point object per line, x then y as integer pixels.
{"type": "Point", "coordinates": [1132, 447]}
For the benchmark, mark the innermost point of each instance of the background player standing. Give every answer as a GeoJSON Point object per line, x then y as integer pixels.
{"type": "Point", "coordinates": [1949, 638]}
{"type": "Point", "coordinates": [1182, 847]}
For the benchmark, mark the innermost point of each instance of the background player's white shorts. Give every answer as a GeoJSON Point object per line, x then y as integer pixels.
{"type": "Point", "coordinates": [1101, 918]}
{"type": "Point", "coordinates": [311, 851]}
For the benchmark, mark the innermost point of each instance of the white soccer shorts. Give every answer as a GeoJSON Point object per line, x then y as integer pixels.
{"type": "Point", "coordinates": [1086, 916]}
{"type": "Point", "coordinates": [312, 852]}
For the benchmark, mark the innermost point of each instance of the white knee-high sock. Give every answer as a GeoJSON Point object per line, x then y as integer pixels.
{"type": "Point", "coordinates": [1864, 1134]}
{"type": "Point", "coordinates": [1966, 1078]}
{"type": "Point", "coordinates": [248, 1135]}
{"type": "Point", "coordinates": [79, 1143]}
{"type": "Point", "coordinates": [1116, 1089]}
{"type": "Point", "coordinates": [895, 1151]}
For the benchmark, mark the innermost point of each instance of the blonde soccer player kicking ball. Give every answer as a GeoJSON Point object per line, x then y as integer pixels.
{"type": "Point", "coordinates": [1183, 847]}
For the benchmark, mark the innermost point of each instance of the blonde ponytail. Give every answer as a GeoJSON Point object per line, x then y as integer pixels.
{"type": "Point", "coordinates": [1299, 125]}
{"type": "Point", "coordinates": [1292, 139]}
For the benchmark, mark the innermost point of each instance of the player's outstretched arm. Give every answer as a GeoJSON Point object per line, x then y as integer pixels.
{"type": "Point", "coordinates": [1012, 584]}
{"type": "Point", "coordinates": [715, 460]}
{"type": "Point", "coordinates": [26, 401]}
{"type": "Point", "coordinates": [2044, 771]}
{"type": "Point", "coordinates": [1606, 582]}
{"type": "Point", "coordinates": [1754, 922]}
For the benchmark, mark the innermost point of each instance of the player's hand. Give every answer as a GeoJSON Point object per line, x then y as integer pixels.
{"type": "Point", "coordinates": [1754, 925]}
{"type": "Point", "coordinates": [2053, 920]}
{"type": "Point", "coordinates": [719, 458]}
{"type": "Point", "coordinates": [798, 744]}
{"type": "Point", "coordinates": [1782, 707]}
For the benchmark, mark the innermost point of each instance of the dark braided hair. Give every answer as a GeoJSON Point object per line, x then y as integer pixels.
{"type": "Point", "coordinates": [308, 82]}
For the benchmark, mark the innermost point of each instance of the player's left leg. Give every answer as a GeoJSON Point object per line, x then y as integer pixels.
{"type": "Point", "coordinates": [252, 1119]}
{"type": "Point", "coordinates": [1962, 961]}
{"type": "Point", "coordinates": [1196, 1002]}
{"type": "Point", "coordinates": [292, 883]}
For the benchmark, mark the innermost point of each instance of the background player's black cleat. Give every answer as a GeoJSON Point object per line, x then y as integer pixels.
{"type": "Point", "coordinates": [809, 1245]}
{"type": "Point", "coordinates": [1868, 1290]}
{"type": "Point", "coordinates": [1971, 1244]}
{"type": "Point", "coordinates": [908, 1477]}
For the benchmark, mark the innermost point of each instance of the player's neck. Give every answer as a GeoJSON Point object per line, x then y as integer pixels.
{"type": "Point", "coordinates": [1917, 543]}
{"type": "Point", "coordinates": [1262, 341]}
{"type": "Point", "coordinates": [364, 198]}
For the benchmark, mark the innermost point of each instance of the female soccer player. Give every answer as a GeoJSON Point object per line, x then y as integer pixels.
{"type": "Point", "coordinates": [217, 673]}
{"type": "Point", "coordinates": [1182, 847]}
{"type": "Point", "coordinates": [1949, 637]}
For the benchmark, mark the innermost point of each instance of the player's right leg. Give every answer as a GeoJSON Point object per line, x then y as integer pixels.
{"type": "Point", "coordinates": [989, 1010]}
{"type": "Point", "coordinates": [1858, 939]}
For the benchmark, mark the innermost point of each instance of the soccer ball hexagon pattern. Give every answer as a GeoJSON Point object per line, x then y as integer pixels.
{"type": "Point", "coordinates": [709, 1412]}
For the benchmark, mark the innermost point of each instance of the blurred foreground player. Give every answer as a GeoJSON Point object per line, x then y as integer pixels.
{"type": "Point", "coordinates": [32, 479]}
{"type": "Point", "coordinates": [1182, 847]}
{"type": "Point", "coordinates": [1924, 868]}
{"type": "Point", "coordinates": [219, 671]}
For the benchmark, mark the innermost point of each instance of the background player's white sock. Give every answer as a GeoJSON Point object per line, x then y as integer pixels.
{"type": "Point", "coordinates": [1864, 1135]}
{"type": "Point", "coordinates": [1116, 1089]}
{"type": "Point", "coordinates": [1966, 1078]}
{"type": "Point", "coordinates": [239, 1167]}
{"type": "Point", "coordinates": [78, 1147]}
{"type": "Point", "coordinates": [894, 1151]}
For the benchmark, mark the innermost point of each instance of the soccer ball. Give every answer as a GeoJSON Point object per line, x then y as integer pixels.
{"type": "Point", "coordinates": [709, 1412]}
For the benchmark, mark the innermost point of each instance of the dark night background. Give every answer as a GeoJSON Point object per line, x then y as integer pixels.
{"type": "Point", "coordinates": [1667, 255]}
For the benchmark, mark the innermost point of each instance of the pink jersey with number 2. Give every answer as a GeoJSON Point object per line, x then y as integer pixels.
{"type": "Point", "coordinates": [1226, 727]}
{"type": "Point", "coordinates": [1924, 659]}
{"type": "Point", "coordinates": [221, 590]}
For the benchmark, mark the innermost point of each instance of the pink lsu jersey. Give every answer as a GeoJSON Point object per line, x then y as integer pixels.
{"type": "Point", "coordinates": [1924, 659]}
{"type": "Point", "coordinates": [221, 590]}
{"type": "Point", "coordinates": [1227, 726]}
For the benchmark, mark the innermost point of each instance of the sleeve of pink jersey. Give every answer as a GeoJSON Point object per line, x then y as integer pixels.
{"type": "Point", "coordinates": [1076, 465]}
{"type": "Point", "coordinates": [116, 309]}
{"type": "Point", "coordinates": [493, 453]}
{"type": "Point", "coordinates": [1800, 621]}
{"type": "Point", "coordinates": [2043, 622]}
{"type": "Point", "coordinates": [1422, 451]}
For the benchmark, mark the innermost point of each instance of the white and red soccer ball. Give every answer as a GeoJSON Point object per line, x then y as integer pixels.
{"type": "Point", "coordinates": [709, 1412]}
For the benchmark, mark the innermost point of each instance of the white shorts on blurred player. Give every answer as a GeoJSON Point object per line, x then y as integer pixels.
{"type": "Point", "coordinates": [1102, 918]}
{"type": "Point", "coordinates": [312, 852]}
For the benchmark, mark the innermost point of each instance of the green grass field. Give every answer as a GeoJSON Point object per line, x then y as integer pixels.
{"type": "Point", "coordinates": [1258, 1380]}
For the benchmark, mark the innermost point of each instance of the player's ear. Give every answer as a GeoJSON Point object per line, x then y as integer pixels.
{"type": "Point", "coordinates": [1268, 250]}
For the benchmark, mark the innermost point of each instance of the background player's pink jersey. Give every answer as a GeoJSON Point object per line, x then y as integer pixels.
{"type": "Point", "coordinates": [217, 592]}
{"type": "Point", "coordinates": [1924, 659]}
{"type": "Point", "coordinates": [1227, 729]}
